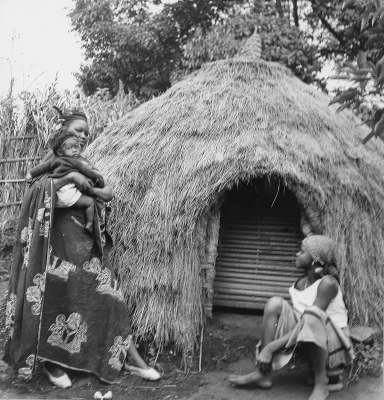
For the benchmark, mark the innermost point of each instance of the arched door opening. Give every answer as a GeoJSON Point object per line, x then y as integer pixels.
{"type": "Point", "coordinates": [258, 240]}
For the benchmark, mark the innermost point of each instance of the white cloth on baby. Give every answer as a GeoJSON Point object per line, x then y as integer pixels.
{"type": "Point", "coordinates": [67, 196]}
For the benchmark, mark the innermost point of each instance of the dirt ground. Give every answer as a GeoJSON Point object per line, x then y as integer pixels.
{"type": "Point", "coordinates": [228, 348]}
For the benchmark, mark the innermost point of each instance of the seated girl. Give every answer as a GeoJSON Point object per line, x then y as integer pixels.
{"type": "Point", "coordinates": [316, 326]}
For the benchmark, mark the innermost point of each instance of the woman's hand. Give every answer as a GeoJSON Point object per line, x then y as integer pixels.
{"type": "Point", "coordinates": [104, 193]}
{"type": "Point", "coordinates": [264, 360]}
{"type": "Point", "coordinates": [86, 187]}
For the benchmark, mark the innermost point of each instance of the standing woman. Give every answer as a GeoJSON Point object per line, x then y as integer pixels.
{"type": "Point", "coordinates": [65, 307]}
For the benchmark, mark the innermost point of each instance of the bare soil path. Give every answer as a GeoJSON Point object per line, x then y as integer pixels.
{"type": "Point", "coordinates": [228, 348]}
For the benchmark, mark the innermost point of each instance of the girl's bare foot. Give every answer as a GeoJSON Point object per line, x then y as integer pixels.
{"type": "Point", "coordinates": [254, 378]}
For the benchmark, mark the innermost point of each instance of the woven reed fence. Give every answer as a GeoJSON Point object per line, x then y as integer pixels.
{"type": "Point", "coordinates": [26, 123]}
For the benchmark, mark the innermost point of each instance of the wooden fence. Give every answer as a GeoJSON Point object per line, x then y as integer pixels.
{"type": "Point", "coordinates": [18, 154]}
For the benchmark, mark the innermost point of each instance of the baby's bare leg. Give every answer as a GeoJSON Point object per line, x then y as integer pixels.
{"type": "Point", "coordinates": [88, 204]}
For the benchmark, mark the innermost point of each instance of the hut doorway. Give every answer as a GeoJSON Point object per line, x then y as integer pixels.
{"type": "Point", "coordinates": [259, 237]}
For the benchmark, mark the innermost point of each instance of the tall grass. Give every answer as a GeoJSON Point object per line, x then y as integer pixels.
{"type": "Point", "coordinates": [26, 123]}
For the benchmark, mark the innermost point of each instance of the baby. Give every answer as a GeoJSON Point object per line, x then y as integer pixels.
{"type": "Point", "coordinates": [66, 147]}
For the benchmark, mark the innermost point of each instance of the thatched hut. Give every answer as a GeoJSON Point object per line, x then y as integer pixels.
{"type": "Point", "coordinates": [188, 169]}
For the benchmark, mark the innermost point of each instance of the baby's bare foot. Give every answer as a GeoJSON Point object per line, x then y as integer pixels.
{"type": "Point", "coordinates": [89, 227]}
{"type": "Point", "coordinates": [254, 378]}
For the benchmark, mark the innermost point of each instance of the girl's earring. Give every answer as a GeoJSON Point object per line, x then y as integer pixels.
{"type": "Point", "coordinates": [319, 272]}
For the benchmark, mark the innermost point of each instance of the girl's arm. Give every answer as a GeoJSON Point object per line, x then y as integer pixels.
{"type": "Point", "coordinates": [264, 359]}
{"type": "Point", "coordinates": [279, 343]}
{"type": "Point", "coordinates": [326, 292]}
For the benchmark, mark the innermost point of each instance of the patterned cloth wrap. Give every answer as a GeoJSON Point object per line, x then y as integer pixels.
{"type": "Point", "coordinates": [64, 303]}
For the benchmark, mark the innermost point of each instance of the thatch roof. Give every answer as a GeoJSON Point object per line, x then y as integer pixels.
{"type": "Point", "coordinates": [170, 160]}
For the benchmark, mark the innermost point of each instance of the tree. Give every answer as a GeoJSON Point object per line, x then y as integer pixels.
{"type": "Point", "coordinates": [304, 36]}
{"type": "Point", "coordinates": [125, 41]}
{"type": "Point", "coordinates": [366, 73]}
{"type": "Point", "coordinates": [282, 41]}
{"type": "Point", "coordinates": [148, 44]}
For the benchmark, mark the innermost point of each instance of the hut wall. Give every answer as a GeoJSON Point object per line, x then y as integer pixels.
{"type": "Point", "coordinates": [310, 214]}
{"type": "Point", "coordinates": [232, 121]}
{"type": "Point", "coordinates": [207, 236]}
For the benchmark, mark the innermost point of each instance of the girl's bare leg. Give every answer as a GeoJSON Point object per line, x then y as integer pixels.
{"type": "Point", "coordinates": [272, 313]}
{"type": "Point", "coordinates": [319, 358]}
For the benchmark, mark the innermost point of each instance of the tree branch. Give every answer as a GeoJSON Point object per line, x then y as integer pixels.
{"type": "Point", "coordinates": [295, 13]}
{"type": "Point", "coordinates": [279, 8]}
{"type": "Point", "coordinates": [337, 35]}
{"type": "Point", "coordinates": [325, 51]}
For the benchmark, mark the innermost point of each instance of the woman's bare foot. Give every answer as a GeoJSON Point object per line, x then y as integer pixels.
{"type": "Point", "coordinates": [128, 368]}
{"type": "Point", "coordinates": [320, 392]}
{"type": "Point", "coordinates": [254, 378]}
{"type": "Point", "coordinates": [54, 369]}
{"type": "Point", "coordinates": [56, 375]}
{"type": "Point", "coordinates": [134, 359]}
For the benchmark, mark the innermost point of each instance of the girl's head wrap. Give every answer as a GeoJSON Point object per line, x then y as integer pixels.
{"type": "Point", "coordinates": [67, 116]}
{"type": "Point", "coordinates": [323, 251]}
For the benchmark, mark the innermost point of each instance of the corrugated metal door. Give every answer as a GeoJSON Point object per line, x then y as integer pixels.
{"type": "Point", "coordinates": [256, 254]}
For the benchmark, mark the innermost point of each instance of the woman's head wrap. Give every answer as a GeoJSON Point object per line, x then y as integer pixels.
{"type": "Point", "coordinates": [322, 249]}
{"type": "Point", "coordinates": [60, 137]}
{"type": "Point", "coordinates": [67, 116]}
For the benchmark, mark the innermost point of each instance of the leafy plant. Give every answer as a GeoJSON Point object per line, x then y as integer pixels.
{"type": "Point", "coordinates": [366, 74]}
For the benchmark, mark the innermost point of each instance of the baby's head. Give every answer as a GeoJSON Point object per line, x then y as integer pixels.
{"type": "Point", "coordinates": [65, 143]}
